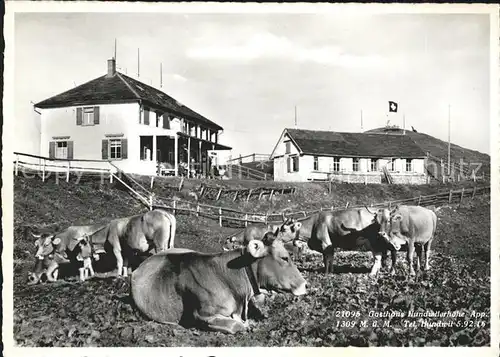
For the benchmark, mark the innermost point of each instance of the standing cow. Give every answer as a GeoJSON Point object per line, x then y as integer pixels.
{"type": "Point", "coordinates": [349, 229]}
{"type": "Point", "coordinates": [412, 225]}
{"type": "Point", "coordinates": [140, 234]}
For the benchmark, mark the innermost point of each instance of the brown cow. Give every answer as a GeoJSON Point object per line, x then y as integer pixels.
{"type": "Point", "coordinates": [212, 291]}
{"type": "Point", "coordinates": [140, 234]}
{"type": "Point", "coordinates": [57, 248]}
{"type": "Point", "coordinates": [412, 225]}
{"type": "Point", "coordinates": [349, 229]}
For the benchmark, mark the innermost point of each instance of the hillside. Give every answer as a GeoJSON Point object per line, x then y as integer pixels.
{"type": "Point", "coordinates": [102, 314]}
{"type": "Point", "coordinates": [439, 148]}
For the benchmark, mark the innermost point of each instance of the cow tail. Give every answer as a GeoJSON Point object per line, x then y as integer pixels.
{"type": "Point", "coordinates": [173, 226]}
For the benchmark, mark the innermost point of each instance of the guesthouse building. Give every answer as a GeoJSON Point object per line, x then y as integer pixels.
{"type": "Point", "coordinates": [137, 127]}
{"type": "Point", "coordinates": [305, 155]}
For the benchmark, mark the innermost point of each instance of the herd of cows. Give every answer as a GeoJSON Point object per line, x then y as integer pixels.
{"type": "Point", "coordinates": [215, 291]}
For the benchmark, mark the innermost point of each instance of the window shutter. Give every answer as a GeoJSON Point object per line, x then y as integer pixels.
{"type": "Point", "coordinates": [70, 150]}
{"type": "Point", "coordinates": [297, 165]}
{"type": "Point", "coordinates": [287, 164]}
{"type": "Point", "coordinates": [79, 116]}
{"type": "Point", "coordinates": [104, 149]}
{"type": "Point", "coordinates": [52, 149]}
{"type": "Point", "coordinates": [124, 148]}
{"type": "Point", "coordinates": [165, 122]}
{"type": "Point", "coordinates": [146, 116]}
{"type": "Point", "coordinates": [96, 115]}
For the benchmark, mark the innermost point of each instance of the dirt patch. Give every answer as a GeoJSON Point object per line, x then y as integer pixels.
{"type": "Point", "coordinates": [98, 312]}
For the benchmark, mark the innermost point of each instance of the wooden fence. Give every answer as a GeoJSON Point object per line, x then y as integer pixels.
{"type": "Point", "coordinates": [230, 216]}
{"type": "Point", "coordinates": [215, 193]}
{"type": "Point", "coordinates": [44, 166]}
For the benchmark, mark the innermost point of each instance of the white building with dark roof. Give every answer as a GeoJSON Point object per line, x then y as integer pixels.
{"type": "Point", "coordinates": [304, 155]}
{"type": "Point", "coordinates": [137, 127]}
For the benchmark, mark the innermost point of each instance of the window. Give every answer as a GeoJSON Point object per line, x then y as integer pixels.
{"type": "Point", "coordinates": [87, 116]}
{"type": "Point", "coordinates": [391, 166]}
{"type": "Point", "coordinates": [115, 149]}
{"type": "Point", "coordinates": [336, 164]}
{"type": "Point", "coordinates": [316, 164]}
{"type": "Point", "coordinates": [293, 164]}
{"type": "Point", "coordinates": [408, 166]}
{"type": "Point", "coordinates": [61, 150]}
{"type": "Point", "coordinates": [355, 164]}
{"type": "Point", "coordinates": [373, 164]}
{"type": "Point", "coordinates": [287, 147]}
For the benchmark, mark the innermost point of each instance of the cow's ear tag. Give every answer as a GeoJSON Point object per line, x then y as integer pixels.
{"type": "Point", "coordinates": [56, 241]}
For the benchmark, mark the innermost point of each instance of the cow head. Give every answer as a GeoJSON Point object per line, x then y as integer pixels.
{"type": "Point", "coordinates": [287, 232]}
{"type": "Point", "coordinates": [83, 249]}
{"type": "Point", "coordinates": [390, 230]}
{"type": "Point", "coordinates": [46, 245]}
{"type": "Point", "coordinates": [274, 267]}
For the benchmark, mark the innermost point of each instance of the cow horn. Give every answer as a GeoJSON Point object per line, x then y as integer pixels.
{"type": "Point", "coordinates": [369, 210]}
{"type": "Point", "coordinates": [256, 248]}
{"type": "Point", "coordinates": [36, 235]}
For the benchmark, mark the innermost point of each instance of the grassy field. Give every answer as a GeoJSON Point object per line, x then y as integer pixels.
{"type": "Point", "coordinates": [98, 312]}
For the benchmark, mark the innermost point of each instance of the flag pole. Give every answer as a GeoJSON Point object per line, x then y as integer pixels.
{"type": "Point", "coordinates": [449, 141]}
{"type": "Point", "coordinates": [361, 119]}
{"type": "Point", "coordinates": [295, 117]}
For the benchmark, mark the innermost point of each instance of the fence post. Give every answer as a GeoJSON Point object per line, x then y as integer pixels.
{"type": "Point", "coordinates": [419, 198]}
{"type": "Point", "coordinates": [151, 202]}
{"type": "Point", "coordinates": [17, 164]}
{"type": "Point", "coordinates": [474, 192]}
{"type": "Point", "coordinates": [174, 205]}
{"type": "Point", "coordinates": [271, 195]}
{"type": "Point", "coordinates": [181, 184]}
{"type": "Point", "coordinates": [110, 176]}
{"type": "Point", "coordinates": [330, 187]}
{"type": "Point", "coordinates": [347, 205]}
{"type": "Point", "coordinates": [197, 210]}
{"type": "Point", "coordinates": [67, 172]}
{"type": "Point", "coordinates": [246, 219]}
{"type": "Point", "coordinates": [249, 194]}
{"type": "Point", "coordinates": [43, 171]}
{"type": "Point", "coordinates": [462, 195]}
{"type": "Point", "coordinates": [220, 217]}
{"type": "Point", "coordinates": [265, 177]}
{"type": "Point", "coordinates": [451, 196]}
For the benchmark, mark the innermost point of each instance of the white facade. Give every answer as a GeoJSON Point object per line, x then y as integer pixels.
{"type": "Point", "coordinates": [349, 169]}
{"type": "Point", "coordinates": [121, 124]}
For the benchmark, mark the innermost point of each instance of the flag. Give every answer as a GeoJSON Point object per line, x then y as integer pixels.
{"type": "Point", "coordinates": [393, 107]}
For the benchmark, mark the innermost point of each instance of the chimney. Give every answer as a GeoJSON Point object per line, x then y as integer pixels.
{"type": "Point", "coordinates": [111, 67]}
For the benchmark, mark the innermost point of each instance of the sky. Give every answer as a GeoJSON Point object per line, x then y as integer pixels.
{"type": "Point", "coordinates": [247, 72]}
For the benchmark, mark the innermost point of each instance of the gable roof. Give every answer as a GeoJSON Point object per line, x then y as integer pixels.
{"type": "Point", "coordinates": [120, 88]}
{"type": "Point", "coordinates": [329, 143]}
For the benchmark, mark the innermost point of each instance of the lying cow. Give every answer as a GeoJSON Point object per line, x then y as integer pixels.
{"type": "Point", "coordinates": [350, 229]}
{"type": "Point", "coordinates": [412, 225]}
{"type": "Point", "coordinates": [287, 232]}
{"type": "Point", "coordinates": [212, 291]}
{"type": "Point", "coordinates": [58, 248]}
{"type": "Point", "coordinates": [140, 234]}
{"type": "Point", "coordinates": [47, 258]}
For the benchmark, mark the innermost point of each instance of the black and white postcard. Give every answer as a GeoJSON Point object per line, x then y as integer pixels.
{"type": "Point", "coordinates": [235, 176]}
